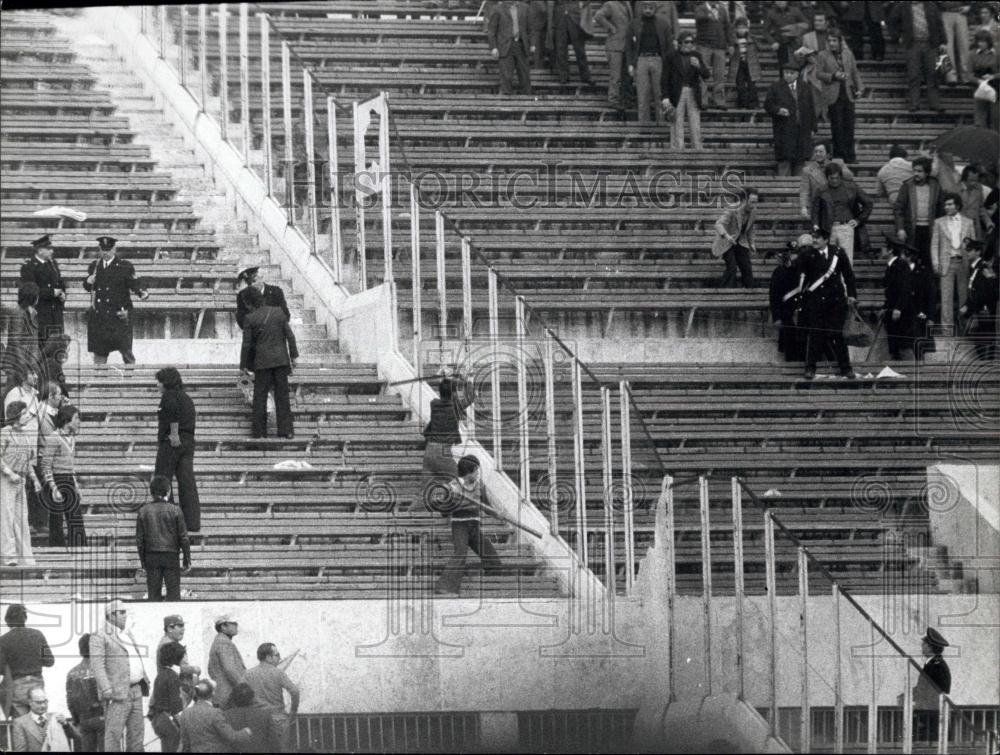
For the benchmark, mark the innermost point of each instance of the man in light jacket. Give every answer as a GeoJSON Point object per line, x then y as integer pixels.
{"type": "Point", "coordinates": [840, 86]}
{"type": "Point", "coordinates": [121, 680]}
{"type": "Point", "coordinates": [734, 239]}
{"type": "Point", "coordinates": [615, 17]}
{"type": "Point", "coordinates": [948, 257]}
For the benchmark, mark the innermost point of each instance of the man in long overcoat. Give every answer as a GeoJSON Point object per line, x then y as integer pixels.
{"type": "Point", "coordinates": [111, 281]}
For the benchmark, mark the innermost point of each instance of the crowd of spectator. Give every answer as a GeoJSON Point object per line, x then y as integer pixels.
{"type": "Point", "coordinates": [234, 709]}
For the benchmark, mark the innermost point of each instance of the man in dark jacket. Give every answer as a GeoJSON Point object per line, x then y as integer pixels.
{"type": "Point", "coordinates": [566, 24]}
{"type": "Point", "coordinates": [918, 204]}
{"type": "Point", "coordinates": [615, 17]}
{"type": "Point", "coordinates": [648, 42]}
{"type": "Point", "coordinates": [683, 72]}
{"type": "Point", "coordinates": [858, 17]}
{"type": "Point", "coordinates": [84, 702]}
{"type": "Point", "coordinates": [464, 496]}
{"type": "Point", "coordinates": [23, 652]}
{"type": "Point", "coordinates": [982, 299]}
{"type": "Point", "coordinates": [269, 351]}
{"type": "Point", "coordinates": [789, 102]}
{"type": "Point", "coordinates": [43, 271]}
{"type": "Point", "coordinates": [714, 37]}
{"type": "Point", "coordinates": [840, 208]}
{"type": "Point", "coordinates": [254, 278]}
{"type": "Point", "coordinates": [175, 452]}
{"type": "Point", "coordinates": [900, 307]}
{"type": "Point", "coordinates": [204, 727]}
{"type": "Point", "coordinates": [110, 281]}
{"type": "Point", "coordinates": [920, 32]}
{"type": "Point", "coordinates": [826, 280]}
{"type": "Point", "coordinates": [509, 34]}
{"type": "Point", "coordinates": [161, 538]}
{"type": "Point", "coordinates": [783, 296]}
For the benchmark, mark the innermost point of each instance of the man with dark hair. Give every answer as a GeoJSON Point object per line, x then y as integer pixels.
{"type": "Point", "coordinates": [225, 664]}
{"type": "Point", "coordinates": [982, 299]}
{"type": "Point", "coordinates": [783, 294]}
{"type": "Point", "coordinates": [175, 452]}
{"type": "Point", "coordinates": [841, 85]}
{"type": "Point", "coordinates": [917, 205]}
{"type": "Point", "coordinates": [715, 38]}
{"type": "Point", "coordinates": [683, 72]}
{"type": "Point", "coordinates": [568, 24]}
{"type": "Point", "coordinates": [270, 352]}
{"type": "Point", "coordinates": [918, 28]}
{"type": "Point", "coordinates": [245, 713]}
{"type": "Point", "coordinates": [734, 239]}
{"type": "Point", "coordinates": [826, 280]}
{"type": "Point", "coordinates": [509, 38]}
{"type": "Point", "coordinates": [813, 179]}
{"type": "Point", "coordinates": [891, 176]}
{"type": "Point", "coordinates": [840, 209]}
{"type": "Point", "coordinates": [935, 678]}
{"type": "Point", "coordinates": [84, 701]}
{"type": "Point", "coordinates": [949, 259]}
{"type": "Point", "coordinates": [789, 102]}
{"type": "Point", "coordinates": [23, 653]}
{"type": "Point", "coordinates": [900, 285]}
{"type": "Point", "coordinates": [43, 271]}
{"type": "Point", "coordinates": [465, 494]}
{"type": "Point", "coordinates": [161, 536]}
{"type": "Point", "coordinates": [648, 42]}
{"type": "Point", "coordinates": [204, 727]}
{"type": "Point", "coordinates": [111, 281]}
{"type": "Point", "coordinates": [269, 681]}
{"type": "Point", "coordinates": [442, 434]}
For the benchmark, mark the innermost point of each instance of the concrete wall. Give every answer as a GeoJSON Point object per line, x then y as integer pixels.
{"type": "Point", "coordinates": [965, 517]}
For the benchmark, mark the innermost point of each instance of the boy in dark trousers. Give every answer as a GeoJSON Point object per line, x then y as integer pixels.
{"type": "Point", "coordinates": [465, 495]}
{"type": "Point", "coordinates": [161, 537]}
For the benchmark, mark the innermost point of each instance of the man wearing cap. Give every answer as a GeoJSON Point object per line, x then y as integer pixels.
{"type": "Point", "coordinates": [225, 664]}
{"type": "Point", "coordinates": [121, 680]}
{"type": "Point", "coordinates": [251, 275]}
{"type": "Point", "coordinates": [173, 631]}
{"type": "Point", "coordinates": [900, 309]}
{"type": "Point", "coordinates": [789, 102]}
{"type": "Point", "coordinates": [43, 271]}
{"type": "Point", "coordinates": [110, 281]}
{"type": "Point", "coordinates": [23, 653]}
{"type": "Point", "coordinates": [935, 678]}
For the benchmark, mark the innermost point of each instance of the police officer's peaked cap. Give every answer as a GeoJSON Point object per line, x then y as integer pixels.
{"type": "Point", "coordinates": [43, 242]}
{"type": "Point", "coordinates": [934, 637]}
{"type": "Point", "coordinates": [106, 243]}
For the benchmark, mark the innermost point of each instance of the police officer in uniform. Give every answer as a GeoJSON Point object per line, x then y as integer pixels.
{"type": "Point", "coordinates": [250, 274]}
{"type": "Point", "coordinates": [826, 280]}
{"type": "Point", "coordinates": [935, 678]}
{"type": "Point", "coordinates": [110, 281]}
{"type": "Point", "coordinates": [43, 271]}
{"type": "Point", "coordinates": [900, 309]}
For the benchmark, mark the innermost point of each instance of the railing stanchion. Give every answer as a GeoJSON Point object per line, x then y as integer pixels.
{"type": "Point", "coordinates": [183, 45]}
{"type": "Point", "coordinates": [162, 37]}
{"type": "Point", "coordinates": [307, 116]}
{"type": "Point", "coordinates": [359, 199]}
{"type": "Point", "coordinates": [386, 181]}
{"type": "Point", "coordinates": [706, 579]}
{"type": "Point", "coordinates": [667, 493]}
{"type": "Point", "coordinates": [523, 411]}
{"type": "Point", "coordinates": [286, 108]}
{"type": "Point", "coordinates": [838, 674]}
{"type": "Point", "coordinates": [628, 494]}
{"type": "Point", "coordinates": [772, 610]}
{"type": "Point", "coordinates": [416, 274]}
{"type": "Point", "coordinates": [265, 93]}
{"type": "Point", "coordinates": [737, 499]}
{"type": "Point", "coordinates": [245, 82]}
{"type": "Point", "coordinates": [607, 478]}
{"type": "Point", "coordinates": [224, 71]}
{"type": "Point", "coordinates": [442, 281]}
{"type": "Point", "coordinates": [944, 716]}
{"type": "Point", "coordinates": [550, 431]}
{"type": "Point", "coordinates": [333, 162]}
{"type": "Point", "coordinates": [496, 419]}
{"type": "Point", "coordinates": [907, 714]}
{"type": "Point", "coordinates": [202, 55]}
{"type": "Point", "coordinates": [580, 478]}
{"type": "Point", "coordinates": [873, 697]}
{"type": "Point", "coordinates": [805, 719]}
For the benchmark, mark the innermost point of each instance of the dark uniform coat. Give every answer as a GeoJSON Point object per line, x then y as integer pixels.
{"type": "Point", "coordinates": [825, 289]}
{"type": "Point", "coordinates": [273, 297]}
{"type": "Point", "coordinates": [45, 274]}
{"type": "Point", "coordinates": [899, 283]}
{"type": "Point", "coordinates": [793, 132]}
{"type": "Point", "coordinates": [934, 679]}
{"type": "Point", "coordinates": [110, 295]}
{"type": "Point", "coordinates": [982, 300]}
{"type": "Point", "coordinates": [784, 301]}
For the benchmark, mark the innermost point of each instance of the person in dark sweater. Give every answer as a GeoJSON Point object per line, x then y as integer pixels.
{"type": "Point", "coordinates": [23, 653]}
{"type": "Point", "coordinates": [161, 538]}
{"type": "Point", "coordinates": [462, 507]}
{"type": "Point", "coordinates": [899, 283]}
{"type": "Point", "coordinates": [175, 453]}
{"type": "Point", "coordinates": [84, 702]}
{"type": "Point", "coordinates": [683, 72]}
{"type": "Point", "coordinates": [165, 703]}
{"type": "Point", "coordinates": [269, 351]}
{"type": "Point", "coordinates": [246, 713]}
{"type": "Point", "coordinates": [441, 433]}
{"type": "Point", "coordinates": [783, 295]}
{"type": "Point", "coordinates": [982, 300]}
{"type": "Point", "coordinates": [649, 41]}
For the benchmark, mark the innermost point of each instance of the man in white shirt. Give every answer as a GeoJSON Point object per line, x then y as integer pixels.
{"type": "Point", "coordinates": [27, 391]}
{"type": "Point", "coordinates": [894, 173]}
{"type": "Point", "coordinates": [948, 257]}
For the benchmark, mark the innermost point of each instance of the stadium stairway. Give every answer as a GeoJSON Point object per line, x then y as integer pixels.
{"type": "Point", "coordinates": [348, 523]}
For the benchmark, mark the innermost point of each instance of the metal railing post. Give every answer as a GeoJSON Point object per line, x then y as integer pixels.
{"type": "Point", "coordinates": [667, 493]}
{"type": "Point", "coordinates": [442, 281]}
{"type": "Point", "coordinates": [494, 368]}
{"type": "Point", "coordinates": [628, 494]}
{"type": "Point", "coordinates": [183, 46]}
{"type": "Point", "coordinates": [245, 81]}
{"type": "Point", "coordinates": [307, 117]}
{"type": "Point", "coordinates": [224, 71]}
{"type": "Point", "coordinates": [907, 715]}
{"type": "Point", "coordinates": [466, 289]}
{"type": "Point", "coordinates": [386, 182]}
{"type": "Point", "coordinates": [162, 37]}
{"type": "Point", "coordinates": [772, 610]}
{"type": "Point", "coordinates": [838, 675]}
{"type": "Point", "coordinates": [805, 721]}
{"type": "Point", "coordinates": [550, 431]}
{"type": "Point", "coordinates": [336, 240]}
{"type": "Point", "coordinates": [944, 716]}
{"type": "Point", "coordinates": [265, 92]}
{"type": "Point", "coordinates": [286, 107]}
{"type": "Point", "coordinates": [873, 698]}
{"type": "Point", "coordinates": [706, 578]}
{"type": "Point", "coordinates": [203, 55]}
{"type": "Point", "coordinates": [417, 283]}
{"type": "Point", "coordinates": [737, 498]}
{"type": "Point", "coordinates": [143, 20]}
{"type": "Point", "coordinates": [523, 414]}
{"type": "Point", "coordinates": [580, 479]}
{"type": "Point", "coordinates": [607, 478]}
